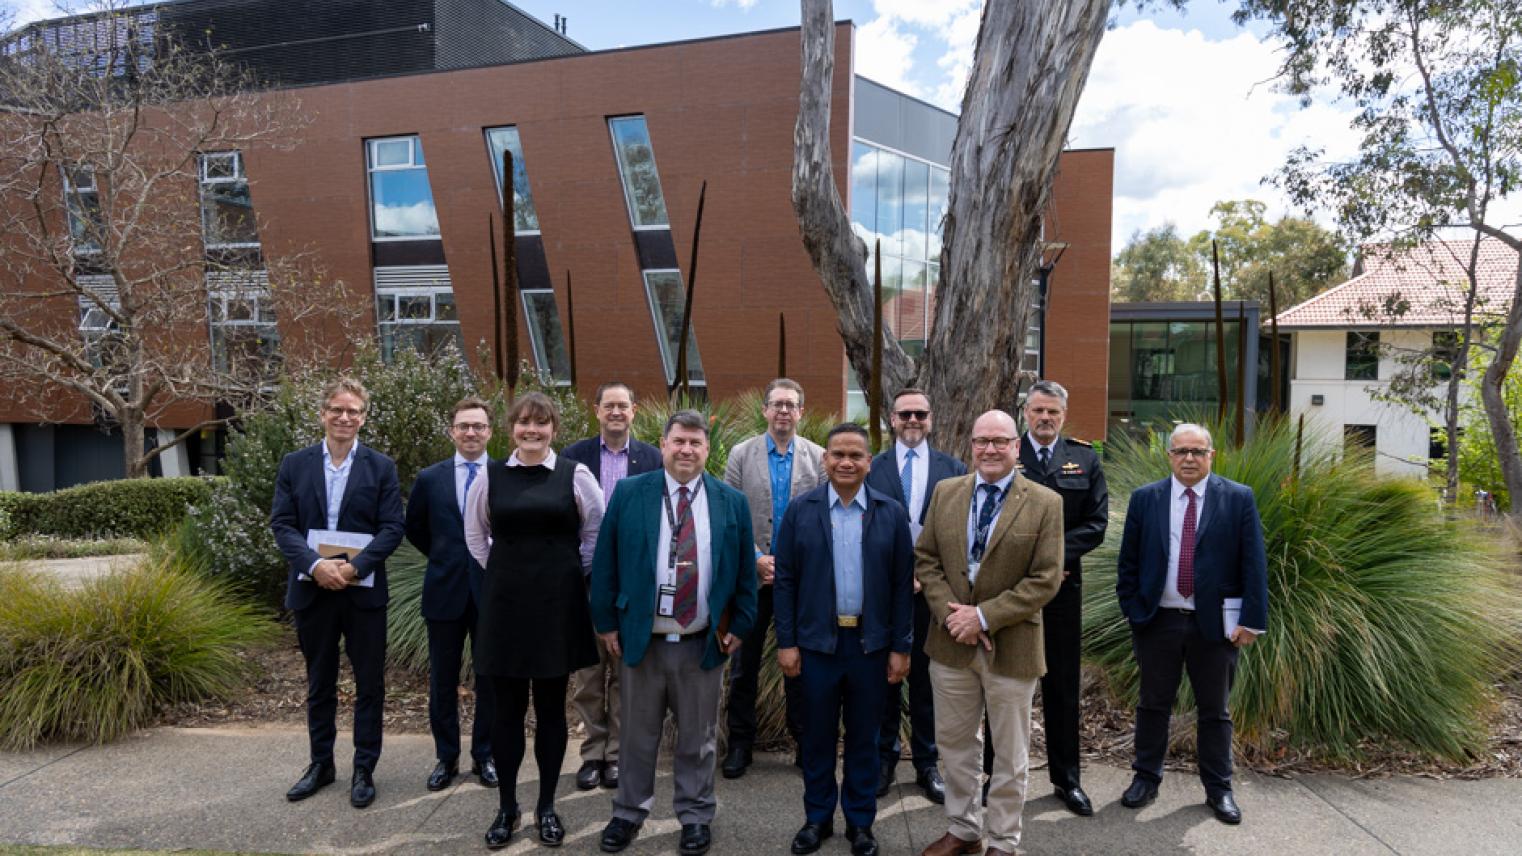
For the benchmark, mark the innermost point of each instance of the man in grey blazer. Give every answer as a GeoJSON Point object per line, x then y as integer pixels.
{"type": "Point", "coordinates": [770, 469]}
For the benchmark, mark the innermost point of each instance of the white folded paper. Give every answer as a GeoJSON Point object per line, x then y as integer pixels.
{"type": "Point", "coordinates": [1231, 613]}
{"type": "Point", "coordinates": [328, 543]}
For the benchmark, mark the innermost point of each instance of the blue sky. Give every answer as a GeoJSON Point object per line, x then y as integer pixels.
{"type": "Point", "coordinates": [1182, 97]}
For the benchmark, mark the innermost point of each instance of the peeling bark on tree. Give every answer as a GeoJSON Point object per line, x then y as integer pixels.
{"type": "Point", "coordinates": [1031, 62]}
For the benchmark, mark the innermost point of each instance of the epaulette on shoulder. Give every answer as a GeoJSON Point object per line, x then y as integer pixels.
{"type": "Point", "coordinates": [1077, 442]}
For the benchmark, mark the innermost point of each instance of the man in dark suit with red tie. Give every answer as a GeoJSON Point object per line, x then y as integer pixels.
{"type": "Point", "coordinates": [1191, 566]}
{"type": "Point", "coordinates": [452, 591]}
{"type": "Point", "coordinates": [909, 472]}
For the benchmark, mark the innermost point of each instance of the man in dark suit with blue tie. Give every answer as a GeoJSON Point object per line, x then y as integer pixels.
{"type": "Point", "coordinates": [613, 455]}
{"type": "Point", "coordinates": [451, 592]}
{"type": "Point", "coordinates": [673, 593]}
{"type": "Point", "coordinates": [843, 594]}
{"type": "Point", "coordinates": [1192, 579]}
{"type": "Point", "coordinates": [909, 472]}
{"type": "Point", "coordinates": [339, 484]}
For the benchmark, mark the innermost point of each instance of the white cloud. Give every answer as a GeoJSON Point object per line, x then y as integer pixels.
{"type": "Point", "coordinates": [1193, 121]}
{"type": "Point", "coordinates": [742, 5]}
{"type": "Point", "coordinates": [886, 46]}
{"type": "Point", "coordinates": [885, 53]}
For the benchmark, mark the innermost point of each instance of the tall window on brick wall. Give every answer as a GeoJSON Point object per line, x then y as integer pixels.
{"type": "Point", "coordinates": [82, 199]}
{"type": "Point", "coordinates": [664, 289]}
{"type": "Point", "coordinates": [401, 202]}
{"type": "Point", "coordinates": [245, 340]}
{"type": "Point", "coordinates": [1362, 355]}
{"type": "Point", "coordinates": [499, 140]}
{"type": "Point", "coordinates": [415, 308]}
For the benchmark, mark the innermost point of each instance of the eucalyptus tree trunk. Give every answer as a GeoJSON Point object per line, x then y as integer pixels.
{"type": "Point", "coordinates": [1030, 65]}
{"type": "Point", "coordinates": [1501, 429]}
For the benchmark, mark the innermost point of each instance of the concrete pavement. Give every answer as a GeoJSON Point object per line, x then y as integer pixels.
{"type": "Point", "coordinates": [175, 788]}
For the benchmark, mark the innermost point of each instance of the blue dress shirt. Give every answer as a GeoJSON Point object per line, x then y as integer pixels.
{"type": "Point", "coordinates": [780, 465]}
{"type": "Point", "coordinates": [845, 539]}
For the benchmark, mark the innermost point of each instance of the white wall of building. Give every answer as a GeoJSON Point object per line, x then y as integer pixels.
{"type": "Point", "coordinates": [1402, 439]}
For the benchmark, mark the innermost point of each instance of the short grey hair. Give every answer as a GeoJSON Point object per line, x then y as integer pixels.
{"type": "Point", "coordinates": [1049, 387]}
{"type": "Point", "coordinates": [1191, 428]}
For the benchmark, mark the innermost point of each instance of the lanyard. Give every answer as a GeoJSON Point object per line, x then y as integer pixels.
{"type": "Point", "coordinates": [980, 530]}
{"type": "Point", "coordinates": [672, 521]}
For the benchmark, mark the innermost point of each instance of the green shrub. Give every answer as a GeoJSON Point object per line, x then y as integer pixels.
{"type": "Point", "coordinates": [406, 631]}
{"type": "Point", "coordinates": [726, 426]}
{"type": "Point", "coordinates": [32, 547]}
{"type": "Point", "coordinates": [98, 661]}
{"type": "Point", "coordinates": [126, 508]}
{"type": "Point", "coordinates": [1388, 622]}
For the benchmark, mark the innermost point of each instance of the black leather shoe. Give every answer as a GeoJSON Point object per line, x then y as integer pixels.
{"type": "Point", "coordinates": [361, 789]}
{"type": "Point", "coordinates": [502, 829]}
{"type": "Point", "coordinates": [1076, 800]}
{"type": "Point", "coordinates": [443, 775]}
{"type": "Point", "coordinates": [695, 839]}
{"type": "Point", "coordinates": [589, 776]}
{"type": "Point", "coordinates": [930, 782]}
{"type": "Point", "coordinates": [610, 774]}
{"type": "Point", "coordinates": [885, 776]}
{"type": "Point", "coordinates": [486, 771]}
{"type": "Point", "coordinates": [736, 761]}
{"type": "Point", "coordinates": [863, 842]}
{"type": "Point", "coordinates": [987, 783]}
{"type": "Point", "coordinates": [551, 831]}
{"type": "Point", "coordinates": [316, 777]}
{"type": "Point", "coordinates": [1141, 792]}
{"type": "Point", "coordinates": [617, 835]}
{"type": "Point", "coordinates": [1225, 808]}
{"type": "Point", "coordinates": [811, 836]}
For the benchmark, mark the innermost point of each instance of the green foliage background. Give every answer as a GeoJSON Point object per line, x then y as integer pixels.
{"type": "Point", "coordinates": [126, 508]}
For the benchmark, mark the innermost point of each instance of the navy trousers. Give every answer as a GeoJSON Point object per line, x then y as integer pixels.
{"type": "Point", "coordinates": [318, 629]}
{"type": "Point", "coordinates": [446, 648]}
{"type": "Point", "coordinates": [846, 686]}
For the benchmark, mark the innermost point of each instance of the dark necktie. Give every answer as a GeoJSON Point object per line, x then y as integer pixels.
{"type": "Point", "coordinates": [1045, 456]}
{"type": "Point", "coordinates": [685, 608]}
{"type": "Point", "coordinates": [1186, 547]}
{"type": "Point", "coordinates": [470, 478]}
{"type": "Point", "coordinates": [985, 520]}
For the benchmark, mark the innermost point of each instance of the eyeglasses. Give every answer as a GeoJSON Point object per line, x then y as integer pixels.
{"type": "Point", "coordinates": [996, 443]}
{"type": "Point", "coordinates": [1190, 453]}
{"type": "Point", "coordinates": [919, 415]}
{"type": "Point", "coordinates": [784, 406]}
{"type": "Point", "coordinates": [344, 411]}
{"type": "Point", "coordinates": [468, 427]}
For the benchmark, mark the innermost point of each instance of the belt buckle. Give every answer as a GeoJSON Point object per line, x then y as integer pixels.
{"type": "Point", "coordinates": [848, 620]}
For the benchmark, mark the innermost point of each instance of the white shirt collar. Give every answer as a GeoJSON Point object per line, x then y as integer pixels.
{"type": "Point", "coordinates": [460, 460]}
{"type": "Point", "coordinates": [672, 485]}
{"type": "Point", "coordinates": [901, 449]}
{"type": "Point", "coordinates": [327, 455]}
{"type": "Point", "coordinates": [1003, 483]}
{"type": "Point", "coordinates": [1178, 488]}
{"type": "Point", "coordinates": [549, 460]}
{"type": "Point", "coordinates": [1036, 445]}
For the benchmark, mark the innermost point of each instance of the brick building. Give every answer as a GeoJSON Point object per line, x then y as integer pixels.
{"type": "Point", "coordinates": [393, 178]}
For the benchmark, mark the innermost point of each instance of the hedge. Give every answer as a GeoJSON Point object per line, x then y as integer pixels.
{"type": "Point", "coordinates": [129, 508]}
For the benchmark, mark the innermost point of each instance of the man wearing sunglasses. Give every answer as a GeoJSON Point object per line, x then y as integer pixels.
{"type": "Point", "coordinates": [451, 591]}
{"type": "Point", "coordinates": [1192, 579]}
{"type": "Point", "coordinates": [909, 472]}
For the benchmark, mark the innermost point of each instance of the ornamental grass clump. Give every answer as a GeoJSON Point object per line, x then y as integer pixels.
{"type": "Point", "coordinates": [1390, 624]}
{"type": "Point", "coordinates": [95, 662]}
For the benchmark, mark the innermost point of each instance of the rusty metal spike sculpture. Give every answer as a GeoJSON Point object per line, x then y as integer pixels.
{"type": "Point", "coordinates": [1274, 369]}
{"type": "Point", "coordinates": [680, 386]}
{"type": "Point", "coordinates": [496, 300]}
{"type": "Point", "coordinates": [570, 327]}
{"type": "Point", "coordinates": [1220, 336]}
{"type": "Point", "coordinates": [781, 344]}
{"type": "Point", "coordinates": [509, 317]}
{"type": "Point", "coordinates": [1241, 426]}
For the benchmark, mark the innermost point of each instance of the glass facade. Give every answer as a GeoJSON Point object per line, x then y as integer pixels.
{"type": "Point", "coordinates": [401, 202]}
{"type": "Point", "coordinates": [636, 166]}
{"type": "Point", "coordinates": [499, 140]}
{"type": "Point", "coordinates": [899, 201]}
{"type": "Point", "coordinates": [1164, 371]}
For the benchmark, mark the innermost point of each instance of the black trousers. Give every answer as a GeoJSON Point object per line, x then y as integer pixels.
{"type": "Point", "coordinates": [921, 705]}
{"type": "Point", "coordinates": [319, 628]}
{"type": "Point", "coordinates": [742, 683]}
{"type": "Point", "coordinates": [446, 649]}
{"type": "Point", "coordinates": [1062, 629]}
{"type": "Point", "coordinates": [1165, 648]}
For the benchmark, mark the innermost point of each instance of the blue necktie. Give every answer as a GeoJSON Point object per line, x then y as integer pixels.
{"type": "Point", "coordinates": [985, 519]}
{"type": "Point", "coordinates": [470, 476]}
{"type": "Point", "coordinates": [906, 479]}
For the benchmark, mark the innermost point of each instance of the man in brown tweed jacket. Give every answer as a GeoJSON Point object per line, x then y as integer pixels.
{"type": "Point", "coordinates": [989, 558]}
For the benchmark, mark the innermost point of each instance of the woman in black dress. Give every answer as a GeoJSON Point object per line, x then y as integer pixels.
{"type": "Point", "coordinates": [532, 523]}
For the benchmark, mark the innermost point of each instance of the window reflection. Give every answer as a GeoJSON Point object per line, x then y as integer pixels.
{"type": "Point", "coordinates": [636, 165]}
{"type": "Point", "coordinates": [668, 300]}
{"type": "Point", "coordinates": [401, 200]}
{"type": "Point", "coordinates": [499, 140]}
{"type": "Point", "coordinates": [550, 352]}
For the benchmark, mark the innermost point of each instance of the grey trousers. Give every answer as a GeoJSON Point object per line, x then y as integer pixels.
{"type": "Point", "coordinates": [596, 701]}
{"type": "Point", "coordinates": [669, 677]}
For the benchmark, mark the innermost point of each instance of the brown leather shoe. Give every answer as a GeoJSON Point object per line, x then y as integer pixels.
{"type": "Point", "coordinates": [950, 845]}
{"type": "Point", "coordinates": [994, 851]}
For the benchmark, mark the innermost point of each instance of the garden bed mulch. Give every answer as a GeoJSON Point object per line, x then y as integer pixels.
{"type": "Point", "coordinates": [278, 695]}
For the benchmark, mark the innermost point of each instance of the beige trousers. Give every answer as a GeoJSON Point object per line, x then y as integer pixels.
{"type": "Point", "coordinates": [595, 697]}
{"type": "Point", "coordinates": [960, 698]}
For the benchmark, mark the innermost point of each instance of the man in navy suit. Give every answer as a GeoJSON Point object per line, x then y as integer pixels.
{"type": "Point", "coordinates": [843, 595]}
{"type": "Point", "coordinates": [908, 473]}
{"type": "Point", "coordinates": [612, 455]}
{"type": "Point", "coordinates": [1193, 582]}
{"type": "Point", "coordinates": [673, 593]}
{"type": "Point", "coordinates": [451, 592]}
{"type": "Point", "coordinates": [339, 484]}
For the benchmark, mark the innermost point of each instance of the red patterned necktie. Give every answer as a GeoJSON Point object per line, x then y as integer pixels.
{"type": "Point", "coordinates": [1186, 548]}
{"type": "Point", "coordinates": [686, 604]}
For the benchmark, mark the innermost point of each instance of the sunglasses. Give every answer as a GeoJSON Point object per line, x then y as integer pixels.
{"type": "Point", "coordinates": [919, 415]}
